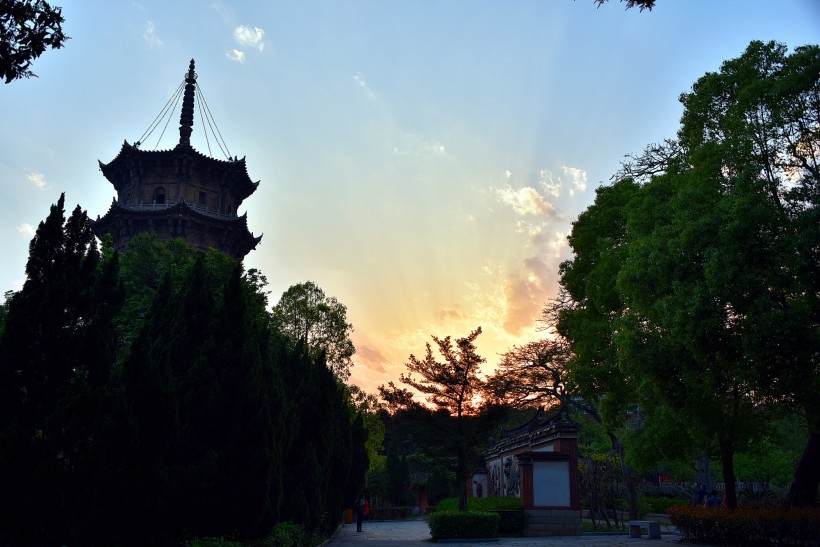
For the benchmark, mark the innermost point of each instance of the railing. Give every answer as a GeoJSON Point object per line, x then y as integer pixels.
{"type": "Point", "coordinates": [162, 206]}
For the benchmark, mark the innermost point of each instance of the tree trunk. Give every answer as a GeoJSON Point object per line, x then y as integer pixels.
{"type": "Point", "coordinates": [704, 470]}
{"type": "Point", "coordinates": [803, 490]}
{"type": "Point", "coordinates": [461, 477]}
{"type": "Point", "coordinates": [727, 454]}
{"type": "Point", "coordinates": [629, 484]}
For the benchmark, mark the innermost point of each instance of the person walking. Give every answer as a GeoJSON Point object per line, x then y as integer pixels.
{"type": "Point", "coordinates": [359, 512]}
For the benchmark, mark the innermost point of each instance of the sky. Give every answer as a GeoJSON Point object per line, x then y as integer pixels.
{"type": "Point", "coordinates": [421, 161]}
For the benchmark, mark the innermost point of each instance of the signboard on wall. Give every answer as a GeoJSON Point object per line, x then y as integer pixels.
{"type": "Point", "coordinates": [551, 483]}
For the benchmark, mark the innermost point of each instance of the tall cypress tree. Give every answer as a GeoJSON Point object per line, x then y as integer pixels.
{"type": "Point", "coordinates": [55, 362]}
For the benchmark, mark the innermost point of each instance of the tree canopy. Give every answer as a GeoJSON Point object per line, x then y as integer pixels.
{"type": "Point", "coordinates": [307, 315]}
{"type": "Point", "coordinates": [27, 29]}
{"type": "Point", "coordinates": [149, 402]}
{"type": "Point", "coordinates": [640, 4]}
{"type": "Point", "coordinates": [460, 420]}
{"type": "Point", "coordinates": [694, 279]}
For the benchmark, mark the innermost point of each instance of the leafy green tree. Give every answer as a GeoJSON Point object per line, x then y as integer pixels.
{"type": "Point", "coordinates": [458, 423]}
{"type": "Point", "coordinates": [306, 314]}
{"type": "Point", "coordinates": [368, 406]}
{"type": "Point", "coordinates": [27, 29]}
{"type": "Point", "coordinates": [712, 279]}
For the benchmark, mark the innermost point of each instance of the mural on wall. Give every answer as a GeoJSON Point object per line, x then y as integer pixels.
{"type": "Point", "coordinates": [512, 477]}
{"type": "Point", "coordinates": [494, 477]}
{"type": "Point", "coordinates": [479, 486]}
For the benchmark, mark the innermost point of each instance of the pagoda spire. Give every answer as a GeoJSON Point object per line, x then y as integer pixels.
{"type": "Point", "coordinates": [186, 117]}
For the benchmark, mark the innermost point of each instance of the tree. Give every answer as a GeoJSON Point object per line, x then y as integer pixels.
{"type": "Point", "coordinates": [535, 375]}
{"type": "Point", "coordinates": [458, 423]}
{"type": "Point", "coordinates": [640, 4]}
{"type": "Point", "coordinates": [327, 463]}
{"type": "Point", "coordinates": [57, 353]}
{"type": "Point", "coordinates": [368, 406]}
{"type": "Point", "coordinates": [305, 314]}
{"type": "Point", "coordinates": [532, 375]}
{"type": "Point", "coordinates": [194, 418]}
{"type": "Point", "coordinates": [27, 29]}
{"type": "Point", "coordinates": [398, 476]}
{"type": "Point", "coordinates": [707, 294]}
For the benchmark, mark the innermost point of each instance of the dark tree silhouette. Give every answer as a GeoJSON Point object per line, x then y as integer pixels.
{"type": "Point", "coordinates": [640, 4]}
{"type": "Point", "coordinates": [27, 29]}
{"type": "Point", "coordinates": [461, 421]}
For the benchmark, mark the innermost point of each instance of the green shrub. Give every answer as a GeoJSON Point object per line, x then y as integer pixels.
{"type": "Point", "coordinates": [666, 490]}
{"type": "Point", "coordinates": [510, 511]}
{"type": "Point", "coordinates": [286, 534]}
{"type": "Point", "coordinates": [752, 528]}
{"type": "Point", "coordinates": [456, 524]}
{"type": "Point", "coordinates": [653, 504]}
{"type": "Point", "coordinates": [483, 504]}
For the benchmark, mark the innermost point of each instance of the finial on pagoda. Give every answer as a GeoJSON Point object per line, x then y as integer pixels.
{"type": "Point", "coordinates": [186, 118]}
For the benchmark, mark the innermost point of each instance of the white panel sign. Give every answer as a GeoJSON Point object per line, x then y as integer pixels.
{"type": "Point", "coordinates": [550, 483]}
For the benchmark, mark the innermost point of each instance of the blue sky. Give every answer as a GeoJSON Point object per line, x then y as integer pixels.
{"type": "Point", "coordinates": [422, 161]}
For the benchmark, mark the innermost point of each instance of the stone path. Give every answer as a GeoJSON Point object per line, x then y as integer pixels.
{"type": "Point", "coordinates": [415, 533]}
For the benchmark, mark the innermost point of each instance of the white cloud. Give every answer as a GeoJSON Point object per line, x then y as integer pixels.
{"type": "Point", "coordinates": [438, 148]}
{"type": "Point", "coordinates": [524, 227]}
{"type": "Point", "coordinates": [250, 37]}
{"type": "Point", "coordinates": [223, 11]}
{"type": "Point", "coordinates": [37, 179]}
{"type": "Point", "coordinates": [26, 229]}
{"type": "Point", "coordinates": [578, 177]}
{"type": "Point", "coordinates": [415, 146]}
{"type": "Point", "coordinates": [150, 35]}
{"type": "Point", "coordinates": [525, 200]}
{"type": "Point", "coordinates": [551, 186]}
{"type": "Point", "coordinates": [236, 55]}
{"type": "Point", "coordinates": [359, 79]}
{"type": "Point", "coordinates": [558, 245]}
{"type": "Point", "coordinates": [507, 174]}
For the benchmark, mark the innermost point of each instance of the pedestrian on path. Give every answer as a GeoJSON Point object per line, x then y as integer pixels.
{"type": "Point", "coordinates": [359, 512]}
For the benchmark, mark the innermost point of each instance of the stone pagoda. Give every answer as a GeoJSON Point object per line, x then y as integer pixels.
{"type": "Point", "coordinates": [179, 193]}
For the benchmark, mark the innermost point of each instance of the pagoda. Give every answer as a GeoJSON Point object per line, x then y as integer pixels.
{"type": "Point", "coordinates": [179, 193]}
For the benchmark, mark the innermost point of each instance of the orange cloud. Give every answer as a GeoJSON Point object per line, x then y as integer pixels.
{"type": "Point", "coordinates": [371, 358]}
{"type": "Point", "coordinates": [526, 294]}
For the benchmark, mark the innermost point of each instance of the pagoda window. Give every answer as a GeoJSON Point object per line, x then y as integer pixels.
{"type": "Point", "coordinates": [203, 198]}
{"type": "Point", "coordinates": [159, 196]}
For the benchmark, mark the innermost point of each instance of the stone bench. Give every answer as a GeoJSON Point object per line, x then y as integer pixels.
{"type": "Point", "coordinates": [653, 527]}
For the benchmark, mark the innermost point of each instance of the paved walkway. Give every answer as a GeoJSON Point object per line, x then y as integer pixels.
{"type": "Point", "coordinates": [416, 533]}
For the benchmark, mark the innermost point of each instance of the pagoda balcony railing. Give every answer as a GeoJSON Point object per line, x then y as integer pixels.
{"type": "Point", "coordinates": [198, 207]}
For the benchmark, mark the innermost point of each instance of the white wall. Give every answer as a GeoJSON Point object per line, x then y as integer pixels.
{"type": "Point", "coordinates": [550, 483]}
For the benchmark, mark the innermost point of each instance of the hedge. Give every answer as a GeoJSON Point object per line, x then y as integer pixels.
{"type": "Point", "coordinates": [469, 525]}
{"type": "Point", "coordinates": [509, 509]}
{"type": "Point", "coordinates": [661, 504]}
{"type": "Point", "coordinates": [482, 504]}
{"type": "Point", "coordinates": [747, 527]}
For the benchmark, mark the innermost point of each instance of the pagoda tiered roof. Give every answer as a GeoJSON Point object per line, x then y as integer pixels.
{"type": "Point", "coordinates": [179, 192]}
